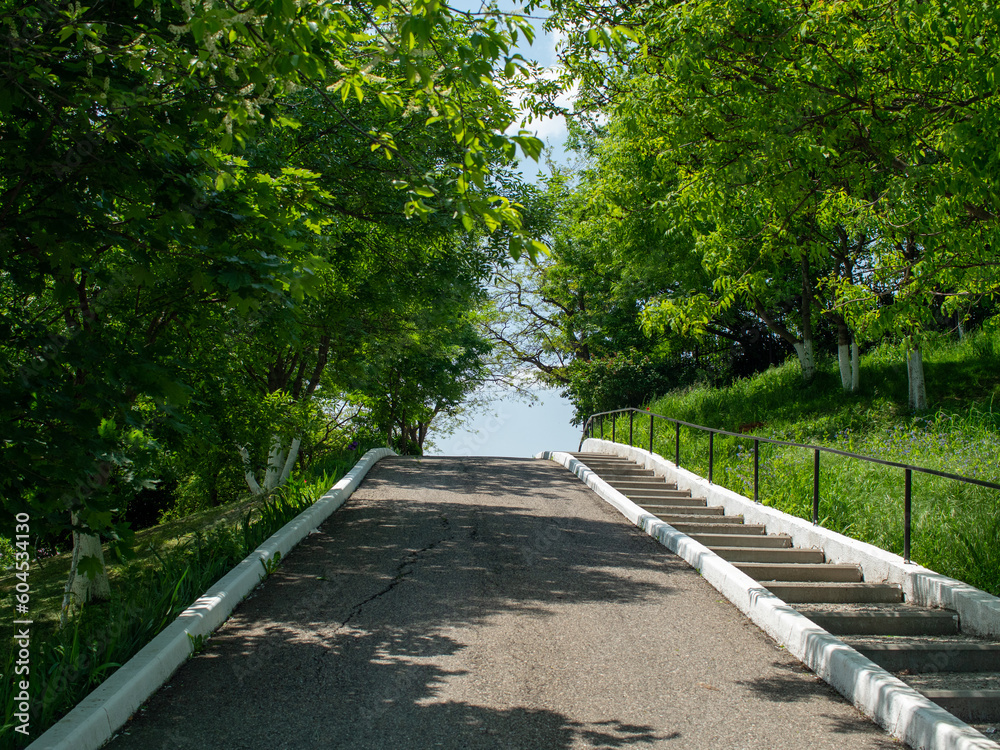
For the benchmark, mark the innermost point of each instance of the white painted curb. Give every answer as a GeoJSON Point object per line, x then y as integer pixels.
{"type": "Point", "coordinates": [96, 718]}
{"type": "Point", "coordinates": [894, 705]}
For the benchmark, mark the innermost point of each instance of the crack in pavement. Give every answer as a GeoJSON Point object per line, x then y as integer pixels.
{"type": "Point", "coordinates": [403, 570]}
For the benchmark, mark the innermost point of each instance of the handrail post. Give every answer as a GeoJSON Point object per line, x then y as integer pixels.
{"type": "Point", "coordinates": [631, 419]}
{"type": "Point", "coordinates": [677, 444]}
{"type": "Point", "coordinates": [711, 454]}
{"type": "Point", "coordinates": [614, 424]}
{"type": "Point", "coordinates": [651, 434]}
{"type": "Point", "coordinates": [756, 470]}
{"type": "Point", "coordinates": [602, 427]}
{"type": "Point", "coordinates": [907, 502]}
{"type": "Point", "coordinates": [816, 487]}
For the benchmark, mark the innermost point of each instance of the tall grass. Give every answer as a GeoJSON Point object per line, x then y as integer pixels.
{"type": "Point", "coordinates": [955, 526]}
{"type": "Point", "coordinates": [67, 664]}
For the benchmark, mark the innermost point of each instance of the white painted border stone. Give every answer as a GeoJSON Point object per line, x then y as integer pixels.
{"type": "Point", "coordinates": [894, 705]}
{"type": "Point", "coordinates": [95, 719]}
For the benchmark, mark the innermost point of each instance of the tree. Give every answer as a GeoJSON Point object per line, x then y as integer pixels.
{"type": "Point", "coordinates": [583, 317]}
{"type": "Point", "coordinates": [862, 118]}
{"type": "Point", "coordinates": [134, 213]}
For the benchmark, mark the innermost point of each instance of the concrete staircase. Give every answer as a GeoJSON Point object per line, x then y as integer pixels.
{"type": "Point", "coordinates": [924, 647]}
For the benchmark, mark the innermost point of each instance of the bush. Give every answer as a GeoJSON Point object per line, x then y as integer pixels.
{"type": "Point", "coordinates": [626, 379]}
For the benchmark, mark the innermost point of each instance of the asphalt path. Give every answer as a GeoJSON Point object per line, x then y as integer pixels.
{"type": "Point", "coordinates": [473, 603]}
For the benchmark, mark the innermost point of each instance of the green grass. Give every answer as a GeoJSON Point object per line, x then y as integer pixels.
{"type": "Point", "coordinates": [955, 528]}
{"type": "Point", "coordinates": [176, 563]}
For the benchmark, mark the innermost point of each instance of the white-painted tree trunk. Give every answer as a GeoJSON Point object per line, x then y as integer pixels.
{"type": "Point", "coordinates": [275, 463]}
{"type": "Point", "coordinates": [849, 360]}
{"type": "Point", "coordinates": [279, 466]}
{"type": "Point", "coordinates": [844, 360]}
{"type": "Point", "coordinates": [804, 350]}
{"type": "Point", "coordinates": [81, 588]}
{"type": "Point", "coordinates": [293, 453]}
{"type": "Point", "coordinates": [915, 373]}
{"type": "Point", "coordinates": [248, 472]}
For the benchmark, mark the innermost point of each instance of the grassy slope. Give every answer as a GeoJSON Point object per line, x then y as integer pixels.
{"type": "Point", "coordinates": [956, 528]}
{"type": "Point", "coordinates": [48, 576]}
{"type": "Point", "coordinates": [175, 562]}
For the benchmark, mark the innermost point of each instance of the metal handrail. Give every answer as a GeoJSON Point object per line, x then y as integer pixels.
{"type": "Point", "coordinates": [817, 449]}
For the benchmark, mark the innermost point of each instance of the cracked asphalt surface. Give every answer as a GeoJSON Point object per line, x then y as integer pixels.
{"type": "Point", "coordinates": [473, 603]}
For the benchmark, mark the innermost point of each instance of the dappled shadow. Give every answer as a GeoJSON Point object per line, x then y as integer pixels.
{"type": "Point", "coordinates": [366, 691]}
{"type": "Point", "coordinates": [799, 684]}
{"type": "Point", "coordinates": [348, 643]}
{"type": "Point", "coordinates": [377, 632]}
{"type": "Point", "coordinates": [789, 687]}
{"type": "Point", "coordinates": [491, 476]}
{"type": "Point", "coordinates": [842, 725]}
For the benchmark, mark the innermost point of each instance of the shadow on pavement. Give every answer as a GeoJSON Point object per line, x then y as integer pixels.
{"type": "Point", "coordinates": [348, 644]}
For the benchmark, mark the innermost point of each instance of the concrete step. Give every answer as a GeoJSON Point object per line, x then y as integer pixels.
{"type": "Point", "coordinates": [742, 540]}
{"type": "Point", "coordinates": [650, 489]}
{"type": "Point", "coordinates": [773, 555]}
{"type": "Point", "coordinates": [628, 474]}
{"type": "Point", "coordinates": [624, 462]}
{"type": "Point", "coordinates": [971, 697]}
{"type": "Point", "coordinates": [680, 517]}
{"type": "Point", "coordinates": [663, 497]}
{"type": "Point", "coordinates": [715, 511]}
{"type": "Point", "coordinates": [660, 498]}
{"type": "Point", "coordinates": [881, 619]}
{"type": "Point", "coordinates": [628, 470]}
{"type": "Point", "coordinates": [801, 571]}
{"type": "Point", "coordinates": [655, 483]}
{"type": "Point", "coordinates": [795, 592]}
{"type": "Point", "coordinates": [649, 503]}
{"type": "Point", "coordinates": [968, 705]}
{"type": "Point", "coordinates": [623, 467]}
{"type": "Point", "coordinates": [957, 653]}
{"type": "Point", "coordinates": [699, 527]}
{"type": "Point", "coordinates": [605, 456]}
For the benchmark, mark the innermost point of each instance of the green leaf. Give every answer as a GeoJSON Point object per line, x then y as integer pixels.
{"type": "Point", "coordinates": [89, 566]}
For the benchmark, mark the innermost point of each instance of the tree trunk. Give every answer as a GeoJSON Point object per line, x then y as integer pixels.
{"type": "Point", "coordinates": [803, 347]}
{"type": "Point", "coordinates": [279, 466]}
{"type": "Point", "coordinates": [844, 361]}
{"type": "Point", "coordinates": [807, 359]}
{"type": "Point", "coordinates": [255, 488]}
{"type": "Point", "coordinates": [847, 358]}
{"type": "Point", "coordinates": [81, 588]}
{"type": "Point", "coordinates": [915, 373]}
{"type": "Point", "coordinates": [275, 463]}
{"type": "Point", "coordinates": [293, 453]}
{"type": "Point", "coordinates": [805, 351]}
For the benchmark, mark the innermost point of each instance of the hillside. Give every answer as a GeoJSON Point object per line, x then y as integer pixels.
{"type": "Point", "coordinates": [956, 527]}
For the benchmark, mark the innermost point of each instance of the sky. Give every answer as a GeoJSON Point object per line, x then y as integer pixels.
{"type": "Point", "coordinates": [509, 426]}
